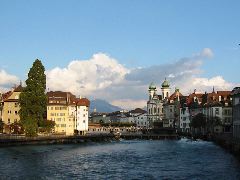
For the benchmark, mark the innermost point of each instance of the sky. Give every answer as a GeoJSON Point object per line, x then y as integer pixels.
{"type": "Point", "coordinates": [113, 50]}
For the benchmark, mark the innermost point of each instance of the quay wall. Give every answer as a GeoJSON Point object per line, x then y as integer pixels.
{"type": "Point", "coordinates": [40, 140]}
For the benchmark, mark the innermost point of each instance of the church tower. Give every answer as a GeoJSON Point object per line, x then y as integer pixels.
{"type": "Point", "coordinates": [152, 90]}
{"type": "Point", "coordinates": [165, 89]}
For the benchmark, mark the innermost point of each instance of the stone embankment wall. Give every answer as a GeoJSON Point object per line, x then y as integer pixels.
{"type": "Point", "coordinates": [17, 140]}
{"type": "Point", "coordinates": [53, 139]}
{"type": "Point", "coordinates": [229, 143]}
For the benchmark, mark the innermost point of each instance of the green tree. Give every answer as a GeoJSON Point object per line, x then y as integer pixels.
{"type": "Point", "coordinates": [16, 128]}
{"type": "Point", "coordinates": [1, 125]}
{"type": "Point", "coordinates": [33, 99]}
{"type": "Point", "coordinates": [213, 122]}
{"type": "Point", "coordinates": [198, 122]}
{"type": "Point", "coordinates": [46, 126]}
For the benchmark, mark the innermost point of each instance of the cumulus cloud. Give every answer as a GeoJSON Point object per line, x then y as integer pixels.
{"type": "Point", "coordinates": [86, 76]}
{"type": "Point", "coordinates": [104, 77]}
{"type": "Point", "coordinates": [7, 80]}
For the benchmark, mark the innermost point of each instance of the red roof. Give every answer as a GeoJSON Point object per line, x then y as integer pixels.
{"type": "Point", "coordinates": [83, 102]}
{"type": "Point", "coordinates": [6, 95]}
{"type": "Point", "coordinates": [174, 95]}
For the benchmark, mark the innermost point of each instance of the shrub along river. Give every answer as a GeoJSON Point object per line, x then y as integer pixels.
{"type": "Point", "coordinates": [134, 159]}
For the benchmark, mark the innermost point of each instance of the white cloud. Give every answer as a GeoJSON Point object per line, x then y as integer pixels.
{"type": "Point", "coordinates": [207, 52]}
{"type": "Point", "coordinates": [104, 77]}
{"type": "Point", "coordinates": [129, 103]}
{"type": "Point", "coordinates": [86, 76]}
{"type": "Point", "coordinates": [7, 80]}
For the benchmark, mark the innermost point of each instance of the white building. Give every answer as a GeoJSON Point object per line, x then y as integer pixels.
{"type": "Point", "coordinates": [155, 102]}
{"type": "Point", "coordinates": [184, 119]}
{"type": "Point", "coordinates": [141, 120]}
{"type": "Point", "coordinates": [82, 107]}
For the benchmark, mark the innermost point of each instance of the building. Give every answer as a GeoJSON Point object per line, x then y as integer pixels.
{"type": "Point", "coordinates": [69, 113]}
{"type": "Point", "coordinates": [81, 121]}
{"type": "Point", "coordinates": [171, 110]}
{"type": "Point", "coordinates": [155, 102]}
{"type": "Point", "coordinates": [140, 117]}
{"type": "Point", "coordinates": [1, 106]}
{"type": "Point", "coordinates": [184, 119]}
{"type": "Point", "coordinates": [99, 118]}
{"type": "Point", "coordinates": [141, 120]}
{"type": "Point", "coordinates": [61, 110]}
{"type": "Point", "coordinates": [11, 107]}
{"type": "Point", "coordinates": [218, 105]}
{"type": "Point", "coordinates": [235, 94]}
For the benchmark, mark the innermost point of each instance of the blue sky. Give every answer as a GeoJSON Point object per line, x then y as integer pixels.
{"type": "Point", "coordinates": [137, 33]}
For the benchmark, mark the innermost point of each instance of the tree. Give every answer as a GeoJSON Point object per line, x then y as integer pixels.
{"type": "Point", "coordinates": [198, 121]}
{"type": "Point", "coordinates": [1, 125]}
{"type": "Point", "coordinates": [213, 122]}
{"type": "Point", "coordinates": [46, 126]}
{"type": "Point", "coordinates": [33, 99]}
{"type": "Point", "coordinates": [16, 128]}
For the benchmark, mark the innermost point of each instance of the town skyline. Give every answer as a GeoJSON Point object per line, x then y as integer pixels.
{"type": "Point", "coordinates": [117, 50]}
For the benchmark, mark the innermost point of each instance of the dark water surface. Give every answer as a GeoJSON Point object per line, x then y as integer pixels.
{"type": "Point", "coordinates": [134, 159]}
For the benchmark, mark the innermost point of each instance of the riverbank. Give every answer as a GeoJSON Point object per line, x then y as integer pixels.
{"type": "Point", "coordinates": [16, 140]}
{"type": "Point", "coordinates": [53, 139]}
{"type": "Point", "coordinates": [228, 143]}
{"type": "Point", "coordinates": [225, 141]}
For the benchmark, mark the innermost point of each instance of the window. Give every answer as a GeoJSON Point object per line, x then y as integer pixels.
{"type": "Point", "coordinates": [83, 115]}
{"type": "Point", "coordinates": [16, 104]}
{"type": "Point", "coordinates": [16, 112]}
{"type": "Point", "coordinates": [217, 111]}
{"type": "Point", "coordinates": [83, 121]}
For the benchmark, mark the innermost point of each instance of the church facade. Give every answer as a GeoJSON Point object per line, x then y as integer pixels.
{"type": "Point", "coordinates": [155, 103]}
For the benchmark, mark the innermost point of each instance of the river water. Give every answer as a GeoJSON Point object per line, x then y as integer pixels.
{"type": "Point", "coordinates": [134, 159]}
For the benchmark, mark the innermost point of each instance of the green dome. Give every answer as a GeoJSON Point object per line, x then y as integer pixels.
{"type": "Point", "coordinates": [152, 86]}
{"type": "Point", "coordinates": [165, 83]}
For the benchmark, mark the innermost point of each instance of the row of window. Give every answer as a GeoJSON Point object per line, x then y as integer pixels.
{"type": "Point", "coordinates": [57, 108]}
{"type": "Point", "coordinates": [60, 125]}
{"type": "Point", "coordinates": [10, 112]}
{"type": "Point", "coordinates": [57, 114]}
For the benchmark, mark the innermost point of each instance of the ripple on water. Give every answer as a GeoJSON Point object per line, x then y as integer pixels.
{"type": "Point", "coordinates": [120, 160]}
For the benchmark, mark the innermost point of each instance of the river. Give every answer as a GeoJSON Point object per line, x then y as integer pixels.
{"type": "Point", "coordinates": [133, 159]}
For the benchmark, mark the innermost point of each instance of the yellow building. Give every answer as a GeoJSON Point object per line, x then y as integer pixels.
{"type": "Point", "coordinates": [11, 106]}
{"type": "Point", "coordinates": [61, 110]}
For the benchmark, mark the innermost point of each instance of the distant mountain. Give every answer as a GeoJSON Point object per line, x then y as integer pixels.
{"type": "Point", "coordinates": [103, 106]}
